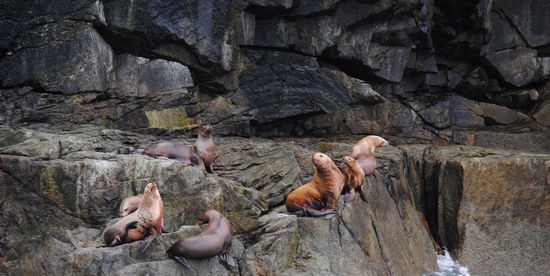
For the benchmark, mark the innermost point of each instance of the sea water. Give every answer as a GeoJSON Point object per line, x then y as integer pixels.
{"type": "Point", "coordinates": [448, 267]}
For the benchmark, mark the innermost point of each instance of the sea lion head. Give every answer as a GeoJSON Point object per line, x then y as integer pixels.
{"type": "Point", "coordinates": [352, 170]}
{"type": "Point", "coordinates": [150, 194]}
{"type": "Point", "coordinates": [349, 162]}
{"type": "Point", "coordinates": [205, 216]}
{"type": "Point", "coordinates": [205, 130]}
{"type": "Point", "coordinates": [321, 160]}
{"type": "Point", "coordinates": [379, 141]}
{"type": "Point", "coordinates": [150, 188]}
{"type": "Point", "coordinates": [367, 145]}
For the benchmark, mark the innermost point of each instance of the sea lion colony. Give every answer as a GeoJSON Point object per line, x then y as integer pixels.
{"type": "Point", "coordinates": [142, 214]}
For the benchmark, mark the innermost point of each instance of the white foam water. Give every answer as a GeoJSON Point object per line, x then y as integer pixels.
{"type": "Point", "coordinates": [450, 267]}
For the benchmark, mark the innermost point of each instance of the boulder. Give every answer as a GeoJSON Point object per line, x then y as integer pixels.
{"type": "Point", "coordinates": [493, 201]}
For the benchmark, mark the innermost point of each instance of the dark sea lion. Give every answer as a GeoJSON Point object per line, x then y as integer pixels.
{"type": "Point", "coordinates": [199, 155]}
{"type": "Point", "coordinates": [214, 240]}
{"type": "Point", "coordinates": [204, 147]}
{"type": "Point", "coordinates": [130, 204]}
{"type": "Point", "coordinates": [319, 197]}
{"type": "Point", "coordinates": [143, 224]}
{"type": "Point", "coordinates": [183, 153]}
{"type": "Point", "coordinates": [363, 152]}
{"type": "Point", "coordinates": [354, 176]}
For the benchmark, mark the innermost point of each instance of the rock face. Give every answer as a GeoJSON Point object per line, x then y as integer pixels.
{"type": "Point", "coordinates": [61, 188]}
{"type": "Point", "coordinates": [280, 68]}
{"type": "Point", "coordinates": [85, 85]}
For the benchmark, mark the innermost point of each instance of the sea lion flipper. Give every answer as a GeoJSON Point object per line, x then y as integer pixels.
{"type": "Point", "coordinates": [329, 216]}
{"type": "Point", "coordinates": [228, 259]}
{"type": "Point", "coordinates": [181, 260]}
{"type": "Point", "coordinates": [147, 241]}
{"type": "Point", "coordinates": [349, 197]}
{"type": "Point", "coordinates": [326, 213]}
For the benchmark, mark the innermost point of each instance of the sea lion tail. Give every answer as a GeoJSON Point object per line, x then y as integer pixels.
{"type": "Point", "coordinates": [228, 259]}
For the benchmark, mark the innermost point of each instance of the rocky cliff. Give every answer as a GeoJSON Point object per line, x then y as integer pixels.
{"type": "Point", "coordinates": [472, 73]}
{"type": "Point", "coordinates": [459, 89]}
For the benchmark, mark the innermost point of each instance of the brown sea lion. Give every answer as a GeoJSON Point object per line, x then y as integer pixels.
{"type": "Point", "coordinates": [363, 152]}
{"type": "Point", "coordinates": [318, 197]}
{"type": "Point", "coordinates": [143, 224]}
{"type": "Point", "coordinates": [214, 240]}
{"type": "Point", "coordinates": [130, 204]}
{"type": "Point", "coordinates": [354, 176]}
{"type": "Point", "coordinates": [204, 147]}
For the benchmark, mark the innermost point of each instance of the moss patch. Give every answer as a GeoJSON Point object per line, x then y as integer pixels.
{"type": "Point", "coordinates": [169, 118]}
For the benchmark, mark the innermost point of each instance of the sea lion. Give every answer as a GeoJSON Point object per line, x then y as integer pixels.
{"type": "Point", "coordinates": [204, 147]}
{"type": "Point", "coordinates": [130, 204]}
{"type": "Point", "coordinates": [354, 176]}
{"type": "Point", "coordinates": [183, 153]}
{"type": "Point", "coordinates": [363, 152]}
{"type": "Point", "coordinates": [319, 197]}
{"type": "Point", "coordinates": [143, 224]}
{"type": "Point", "coordinates": [199, 155]}
{"type": "Point", "coordinates": [214, 240]}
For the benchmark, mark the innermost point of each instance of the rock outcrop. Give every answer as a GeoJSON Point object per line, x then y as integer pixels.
{"type": "Point", "coordinates": [468, 73]}
{"type": "Point", "coordinates": [61, 188]}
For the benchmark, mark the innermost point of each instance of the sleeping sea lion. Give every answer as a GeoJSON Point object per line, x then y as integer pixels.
{"type": "Point", "coordinates": [354, 176]}
{"type": "Point", "coordinates": [130, 204]}
{"type": "Point", "coordinates": [214, 240]}
{"type": "Point", "coordinates": [143, 224]}
{"type": "Point", "coordinates": [318, 197]}
{"type": "Point", "coordinates": [363, 152]}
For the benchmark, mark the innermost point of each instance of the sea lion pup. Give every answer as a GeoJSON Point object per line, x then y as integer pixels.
{"type": "Point", "coordinates": [130, 204]}
{"type": "Point", "coordinates": [354, 176]}
{"type": "Point", "coordinates": [143, 224]}
{"type": "Point", "coordinates": [214, 240]}
{"type": "Point", "coordinates": [204, 147]}
{"type": "Point", "coordinates": [319, 197]}
{"type": "Point", "coordinates": [363, 152]}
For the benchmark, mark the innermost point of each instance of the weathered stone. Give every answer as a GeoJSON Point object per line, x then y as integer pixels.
{"type": "Point", "coordinates": [140, 77]}
{"type": "Point", "coordinates": [437, 72]}
{"type": "Point", "coordinates": [285, 85]}
{"type": "Point", "coordinates": [543, 114]}
{"type": "Point", "coordinates": [437, 115]}
{"type": "Point", "coordinates": [488, 199]}
{"type": "Point", "coordinates": [532, 30]}
{"type": "Point", "coordinates": [88, 176]}
{"type": "Point", "coordinates": [520, 66]}
{"type": "Point", "coordinates": [361, 92]}
{"type": "Point", "coordinates": [44, 59]}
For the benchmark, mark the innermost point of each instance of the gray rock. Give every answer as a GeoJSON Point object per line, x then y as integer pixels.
{"type": "Point", "coordinates": [43, 55]}
{"type": "Point", "coordinates": [285, 85]}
